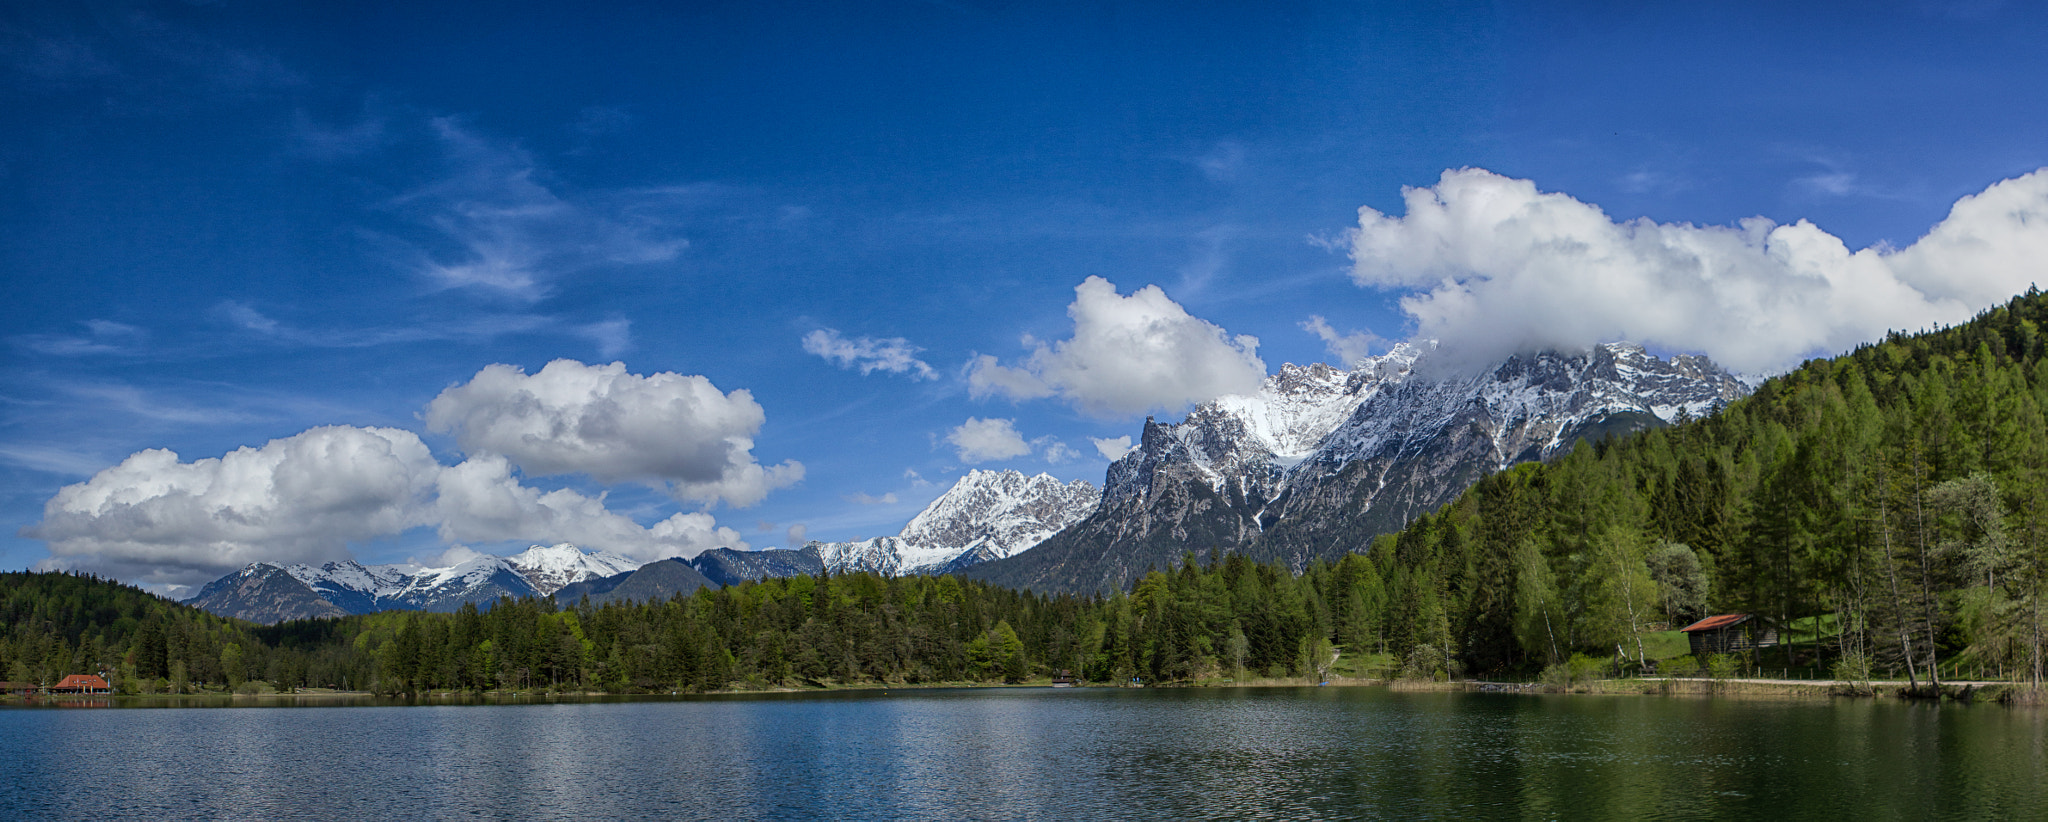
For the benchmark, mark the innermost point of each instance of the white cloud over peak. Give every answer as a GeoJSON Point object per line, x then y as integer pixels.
{"type": "Point", "coordinates": [307, 497]}
{"type": "Point", "coordinates": [980, 440]}
{"type": "Point", "coordinates": [480, 500]}
{"type": "Point", "coordinates": [1054, 451]}
{"type": "Point", "coordinates": [1347, 349]}
{"type": "Point", "coordinates": [298, 499]}
{"type": "Point", "coordinates": [571, 418]}
{"type": "Point", "coordinates": [1499, 267]}
{"type": "Point", "coordinates": [894, 355]}
{"type": "Point", "coordinates": [1112, 449]}
{"type": "Point", "coordinates": [1127, 355]}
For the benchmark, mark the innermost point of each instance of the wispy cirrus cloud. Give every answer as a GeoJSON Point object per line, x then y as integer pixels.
{"type": "Point", "coordinates": [99, 337]}
{"type": "Point", "coordinates": [499, 226]}
{"type": "Point", "coordinates": [137, 61]}
{"type": "Point", "coordinates": [611, 337]}
{"type": "Point", "coordinates": [892, 355]}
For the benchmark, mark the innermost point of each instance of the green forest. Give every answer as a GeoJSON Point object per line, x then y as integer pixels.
{"type": "Point", "coordinates": [846, 629]}
{"type": "Point", "coordinates": [1895, 495]}
{"type": "Point", "coordinates": [1890, 500]}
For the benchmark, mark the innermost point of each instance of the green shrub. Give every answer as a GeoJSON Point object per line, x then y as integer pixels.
{"type": "Point", "coordinates": [1578, 670]}
{"type": "Point", "coordinates": [1428, 662]}
{"type": "Point", "coordinates": [1722, 666]}
{"type": "Point", "coordinates": [1853, 668]}
{"type": "Point", "coordinates": [1682, 666]}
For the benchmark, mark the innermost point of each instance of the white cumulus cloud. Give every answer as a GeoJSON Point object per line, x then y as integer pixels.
{"type": "Point", "coordinates": [1498, 267]}
{"type": "Point", "coordinates": [571, 418]}
{"type": "Point", "coordinates": [480, 501]}
{"type": "Point", "coordinates": [1111, 449]}
{"type": "Point", "coordinates": [1127, 355]}
{"type": "Point", "coordinates": [308, 497]}
{"type": "Point", "coordinates": [894, 355]}
{"type": "Point", "coordinates": [980, 440]}
{"type": "Point", "coordinates": [298, 499]}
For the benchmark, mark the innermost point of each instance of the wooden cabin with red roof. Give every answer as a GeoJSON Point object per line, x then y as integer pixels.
{"type": "Point", "coordinates": [82, 684]}
{"type": "Point", "coordinates": [1729, 634]}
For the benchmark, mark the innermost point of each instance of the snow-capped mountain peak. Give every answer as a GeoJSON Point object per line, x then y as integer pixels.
{"type": "Point", "coordinates": [359, 589]}
{"type": "Point", "coordinates": [985, 515]}
{"type": "Point", "coordinates": [549, 567]}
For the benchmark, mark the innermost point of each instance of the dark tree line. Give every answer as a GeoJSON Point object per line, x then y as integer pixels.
{"type": "Point", "coordinates": [1898, 492]}
{"type": "Point", "coordinates": [1231, 617]}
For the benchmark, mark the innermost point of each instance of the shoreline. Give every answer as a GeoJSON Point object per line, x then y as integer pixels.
{"type": "Point", "coordinates": [1967, 692]}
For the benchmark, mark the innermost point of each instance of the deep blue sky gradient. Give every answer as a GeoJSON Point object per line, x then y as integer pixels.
{"type": "Point", "coordinates": [175, 175]}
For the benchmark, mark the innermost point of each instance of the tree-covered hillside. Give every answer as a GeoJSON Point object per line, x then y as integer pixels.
{"type": "Point", "coordinates": [56, 624]}
{"type": "Point", "coordinates": [1902, 489]}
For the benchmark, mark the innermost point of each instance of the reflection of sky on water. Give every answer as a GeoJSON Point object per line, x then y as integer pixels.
{"type": "Point", "coordinates": [1027, 753]}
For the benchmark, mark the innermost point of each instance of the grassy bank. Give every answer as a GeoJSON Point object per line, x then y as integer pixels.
{"type": "Point", "coordinates": [1990, 692]}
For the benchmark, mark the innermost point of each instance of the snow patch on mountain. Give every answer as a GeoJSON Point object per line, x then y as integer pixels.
{"type": "Point", "coordinates": [549, 567]}
{"type": "Point", "coordinates": [986, 515]}
{"type": "Point", "coordinates": [362, 589]}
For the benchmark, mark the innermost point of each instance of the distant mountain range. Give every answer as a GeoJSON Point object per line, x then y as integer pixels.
{"type": "Point", "coordinates": [269, 592]}
{"type": "Point", "coordinates": [1315, 464]}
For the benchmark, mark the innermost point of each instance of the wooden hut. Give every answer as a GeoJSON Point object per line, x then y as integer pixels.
{"type": "Point", "coordinates": [82, 684]}
{"type": "Point", "coordinates": [1729, 634]}
{"type": "Point", "coordinates": [18, 688]}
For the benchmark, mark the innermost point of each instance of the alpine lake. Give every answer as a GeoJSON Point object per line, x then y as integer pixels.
{"type": "Point", "coordinates": [1033, 753]}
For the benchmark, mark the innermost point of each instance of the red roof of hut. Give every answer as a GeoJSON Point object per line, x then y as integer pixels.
{"type": "Point", "coordinates": [82, 682]}
{"type": "Point", "coordinates": [1712, 622]}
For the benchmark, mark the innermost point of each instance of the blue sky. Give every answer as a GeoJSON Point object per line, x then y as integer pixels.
{"type": "Point", "coordinates": [230, 223]}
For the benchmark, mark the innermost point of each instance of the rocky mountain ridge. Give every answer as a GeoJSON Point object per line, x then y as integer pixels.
{"type": "Point", "coordinates": [986, 515]}
{"type": "Point", "coordinates": [270, 592]}
{"type": "Point", "coordinates": [1321, 460]}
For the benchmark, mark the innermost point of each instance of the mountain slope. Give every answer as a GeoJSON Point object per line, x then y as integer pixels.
{"type": "Point", "coordinates": [1320, 460]}
{"type": "Point", "coordinates": [1899, 489]}
{"type": "Point", "coordinates": [654, 582]}
{"type": "Point", "coordinates": [986, 515]}
{"type": "Point", "coordinates": [264, 593]}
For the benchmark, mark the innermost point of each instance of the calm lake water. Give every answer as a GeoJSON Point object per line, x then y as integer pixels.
{"type": "Point", "coordinates": [1037, 753]}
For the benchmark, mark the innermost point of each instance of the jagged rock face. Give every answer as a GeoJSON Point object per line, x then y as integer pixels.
{"type": "Point", "coordinates": [1001, 511]}
{"type": "Point", "coordinates": [1321, 460]}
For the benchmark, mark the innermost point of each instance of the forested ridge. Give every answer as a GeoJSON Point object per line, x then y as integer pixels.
{"type": "Point", "coordinates": [1895, 495]}
{"type": "Point", "coordinates": [1897, 492]}
{"type": "Point", "coordinates": [852, 628]}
